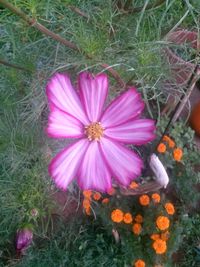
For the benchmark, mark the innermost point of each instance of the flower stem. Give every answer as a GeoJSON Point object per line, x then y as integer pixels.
{"type": "Point", "coordinates": [79, 12]}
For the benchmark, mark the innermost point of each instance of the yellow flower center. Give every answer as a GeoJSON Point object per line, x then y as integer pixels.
{"type": "Point", "coordinates": [94, 131]}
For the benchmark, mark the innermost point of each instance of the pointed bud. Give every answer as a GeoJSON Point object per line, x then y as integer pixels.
{"type": "Point", "coordinates": [159, 171]}
{"type": "Point", "coordinates": [24, 238]}
{"type": "Point", "coordinates": [116, 235]}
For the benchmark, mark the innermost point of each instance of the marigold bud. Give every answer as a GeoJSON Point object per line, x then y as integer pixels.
{"type": "Point", "coordinates": [178, 154]}
{"type": "Point", "coordinates": [139, 218]}
{"type": "Point", "coordinates": [139, 263]}
{"type": "Point", "coordinates": [96, 196]}
{"type": "Point", "coordinates": [156, 198]}
{"type": "Point", "coordinates": [137, 228]}
{"type": "Point", "coordinates": [105, 200]}
{"type": "Point", "coordinates": [169, 207]}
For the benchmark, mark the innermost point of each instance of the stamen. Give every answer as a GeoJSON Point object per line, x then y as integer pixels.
{"type": "Point", "coordinates": [94, 131]}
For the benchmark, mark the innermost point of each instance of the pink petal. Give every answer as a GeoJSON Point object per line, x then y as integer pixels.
{"type": "Point", "coordinates": [62, 125]}
{"type": "Point", "coordinates": [62, 95]}
{"type": "Point", "coordinates": [63, 168]}
{"type": "Point", "coordinates": [93, 92]}
{"type": "Point", "coordinates": [94, 173]}
{"type": "Point", "coordinates": [137, 132]}
{"type": "Point", "coordinates": [124, 163]}
{"type": "Point", "coordinates": [125, 107]}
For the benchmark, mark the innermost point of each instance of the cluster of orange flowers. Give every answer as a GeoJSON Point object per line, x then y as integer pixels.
{"type": "Point", "coordinates": [89, 195]}
{"type": "Point", "coordinates": [177, 152]}
{"type": "Point", "coordinates": [162, 223]}
{"type": "Point", "coordinates": [119, 216]}
{"type": "Point", "coordinates": [144, 200]}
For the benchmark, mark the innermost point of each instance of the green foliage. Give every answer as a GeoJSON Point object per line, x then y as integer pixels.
{"type": "Point", "coordinates": [183, 174]}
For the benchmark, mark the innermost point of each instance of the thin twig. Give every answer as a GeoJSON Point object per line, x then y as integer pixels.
{"type": "Point", "coordinates": [32, 22]}
{"type": "Point", "coordinates": [79, 12]}
{"type": "Point", "coordinates": [115, 74]}
{"type": "Point", "coordinates": [3, 62]}
{"type": "Point", "coordinates": [140, 8]}
{"type": "Point", "coordinates": [195, 75]}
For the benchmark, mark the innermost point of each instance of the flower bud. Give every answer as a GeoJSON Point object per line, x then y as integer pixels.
{"type": "Point", "coordinates": [34, 212]}
{"type": "Point", "coordinates": [24, 238]}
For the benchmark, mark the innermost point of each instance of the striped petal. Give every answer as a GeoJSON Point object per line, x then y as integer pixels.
{"type": "Point", "coordinates": [124, 163]}
{"type": "Point", "coordinates": [63, 125]}
{"type": "Point", "coordinates": [137, 132]}
{"type": "Point", "coordinates": [61, 94]}
{"type": "Point", "coordinates": [125, 107]}
{"type": "Point", "coordinates": [93, 92]}
{"type": "Point", "coordinates": [64, 167]}
{"type": "Point", "coordinates": [94, 173]}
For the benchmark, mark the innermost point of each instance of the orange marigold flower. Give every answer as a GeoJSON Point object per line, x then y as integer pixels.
{"type": "Point", "coordinates": [161, 148]}
{"type": "Point", "coordinates": [117, 216]}
{"type": "Point", "coordinates": [86, 203]}
{"type": "Point", "coordinates": [133, 185]}
{"type": "Point", "coordinates": [139, 263]}
{"type": "Point", "coordinates": [88, 211]}
{"type": "Point", "coordinates": [128, 218]}
{"type": "Point", "coordinates": [105, 200]}
{"type": "Point", "coordinates": [170, 208]}
{"type": "Point", "coordinates": [159, 246]}
{"type": "Point", "coordinates": [111, 191]}
{"type": "Point", "coordinates": [155, 236]}
{"type": "Point", "coordinates": [137, 228]}
{"type": "Point", "coordinates": [97, 196]}
{"type": "Point", "coordinates": [144, 200]}
{"type": "Point", "coordinates": [178, 154]}
{"type": "Point", "coordinates": [156, 198]}
{"type": "Point", "coordinates": [162, 222]}
{"type": "Point", "coordinates": [87, 193]}
{"type": "Point", "coordinates": [170, 142]}
{"type": "Point", "coordinates": [165, 235]}
{"type": "Point", "coordinates": [166, 138]}
{"type": "Point", "coordinates": [139, 218]}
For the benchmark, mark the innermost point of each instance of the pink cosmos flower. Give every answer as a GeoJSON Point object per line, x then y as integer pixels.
{"type": "Point", "coordinates": [99, 153]}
